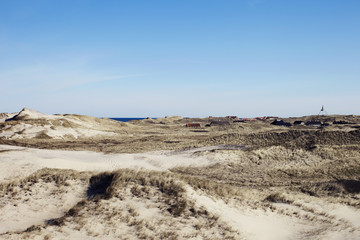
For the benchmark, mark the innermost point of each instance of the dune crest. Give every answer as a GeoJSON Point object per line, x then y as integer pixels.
{"type": "Point", "coordinates": [32, 124]}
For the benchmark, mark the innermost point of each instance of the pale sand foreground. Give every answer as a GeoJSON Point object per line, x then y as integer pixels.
{"type": "Point", "coordinates": [306, 216]}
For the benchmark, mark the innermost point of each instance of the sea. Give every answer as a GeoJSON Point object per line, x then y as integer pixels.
{"type": "Point", "coordinates": [126, 119]}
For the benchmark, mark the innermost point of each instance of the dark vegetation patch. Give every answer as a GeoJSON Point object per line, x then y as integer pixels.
{"type": "Point", "coordinates": [277, 198]}
{"type": "Point", "coordinates": [350, 186]}
{"type": "Point", "coordinates": [342, 122]}
{"type": "Point", "coordinates": [33, 228]}
{"type": "Point", "coordinates": [219, 123]}
{"type": "Point", "coordinates": [172, 141]}
{"type": "Point", "coordinates": [336, 188]}
{"type": "Point", "coordinates": [99, 184]}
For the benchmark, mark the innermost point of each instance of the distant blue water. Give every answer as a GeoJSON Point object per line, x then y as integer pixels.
{"type": "Point", "coordinates": [126, 119]}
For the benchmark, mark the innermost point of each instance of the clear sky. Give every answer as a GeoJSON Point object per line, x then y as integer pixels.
{"type": "Point", "coordinates": [139, 58]}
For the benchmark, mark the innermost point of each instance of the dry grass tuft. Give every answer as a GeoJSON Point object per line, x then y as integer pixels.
{"type": "Point", "coordinates": [168, 184]}
{"type": "Point", "coordinates": [59, 176]}
{"type": "Point", "coordinates": [277, 198]}
{"type": "Point", "coordinates": [42, 135]}
{"type": "Point", "coordinates": [73, 212]}
{"type": "Point", "coordinates": [211, 187]}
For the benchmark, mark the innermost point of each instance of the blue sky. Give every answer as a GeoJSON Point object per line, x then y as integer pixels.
{"type": "Point", "coordinates": [183, 57]}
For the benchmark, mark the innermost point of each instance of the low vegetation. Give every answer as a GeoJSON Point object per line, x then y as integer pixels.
{"type": "Point", "coordinates": [118, 198]}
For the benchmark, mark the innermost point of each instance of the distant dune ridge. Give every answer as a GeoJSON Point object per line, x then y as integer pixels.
{"type": "Point", "coordinates": [33, 124]}
{"type": "Point", "coordinates": [69, 176]}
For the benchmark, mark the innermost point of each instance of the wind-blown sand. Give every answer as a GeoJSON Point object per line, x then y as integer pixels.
{"type": "Point", "coordinates": [156, 179]}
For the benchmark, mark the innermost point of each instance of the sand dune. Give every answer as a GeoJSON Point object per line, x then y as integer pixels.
{"type": "Point", "coordinates": [157, 179]}
{"type": "Point", "coordinates": [31, 124]}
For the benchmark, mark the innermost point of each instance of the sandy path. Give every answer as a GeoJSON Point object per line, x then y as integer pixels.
{"type": "Point", "coordinates": [253, 224]}
{"type": "Point", "coordinates": [18, 162]}
{"type": "Point", "coordinates": [329, 221]}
